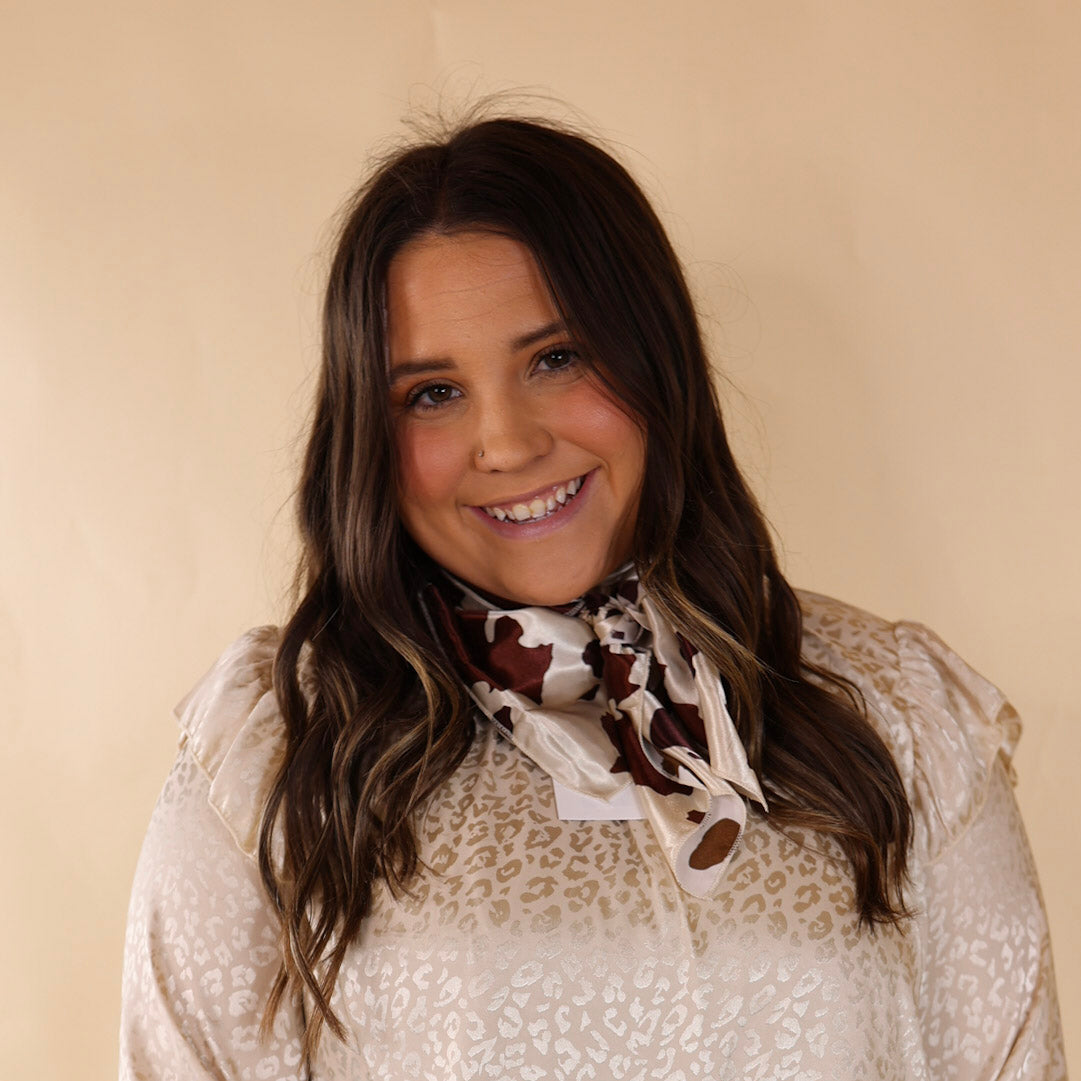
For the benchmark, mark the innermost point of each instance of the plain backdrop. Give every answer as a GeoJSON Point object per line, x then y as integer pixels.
{"type": "Point", "coordinates": [878, 207]}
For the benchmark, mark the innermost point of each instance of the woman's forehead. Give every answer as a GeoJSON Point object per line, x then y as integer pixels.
{"type": "Point", "coordinates": [446, 290]}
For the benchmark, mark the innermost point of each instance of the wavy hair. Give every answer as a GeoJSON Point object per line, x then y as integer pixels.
{"type": "Point", "coordinates": [375, 719]}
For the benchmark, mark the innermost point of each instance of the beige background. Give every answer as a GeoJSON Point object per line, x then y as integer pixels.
{"type": "Point", "coordinates": [879, 207]}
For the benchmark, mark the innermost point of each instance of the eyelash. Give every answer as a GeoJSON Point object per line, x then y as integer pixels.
{"type": "Point", "coordinates": [414, 399]}
{"type": "Point", "coordinates": [559, 350]}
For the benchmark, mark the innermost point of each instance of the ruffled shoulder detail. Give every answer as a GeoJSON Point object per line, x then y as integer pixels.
{"type": "Point", "coordinates": [945, 724]}
{"type": "Point", "coordinates": [233, 727]}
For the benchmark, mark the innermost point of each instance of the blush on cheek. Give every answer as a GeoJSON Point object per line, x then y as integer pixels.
{"type": "Point", "coordinates": [611, 429]}
{"type": "Point", "coordinates": [591, 400]}
{"type": "Point", "coordinates": [431, 466]}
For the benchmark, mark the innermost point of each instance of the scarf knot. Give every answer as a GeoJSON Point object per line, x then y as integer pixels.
{"type": "Point", "coordinates": [602, 694]}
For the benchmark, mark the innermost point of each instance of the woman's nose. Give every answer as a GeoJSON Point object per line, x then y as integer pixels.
{"type": "Point", "coordinates": [510, 435]}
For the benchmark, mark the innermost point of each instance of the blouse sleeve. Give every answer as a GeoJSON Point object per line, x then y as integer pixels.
{"type": "Point", "coordinates": [202, 948]}
{"type": "Point", "coordinates": [201, 952]}
{"type": "Point", "coordinates": [987, 993]}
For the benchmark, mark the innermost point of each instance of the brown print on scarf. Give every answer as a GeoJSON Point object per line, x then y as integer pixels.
{"type": "Point", "coordinates": [715, 844]}
{"type": "Point", "coordinates": [617, 668]}
{"type": "Point", "coordinates": [515, 666]}
{"type": "Point", "coordinates": [593, 656]}
{"type": "Point", "coordinates": [685, 728]}
{"type": "Point", "coordinates": [504, 719]}
{"type": "Point", "coordinates": [503, 663]}
{"type": "Point", "coordinates": [620, 729]}
{"type": "Point", "coordinates": [632, 758]}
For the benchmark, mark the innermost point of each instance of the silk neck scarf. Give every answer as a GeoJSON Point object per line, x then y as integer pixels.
{"type": "Point", "coordinates": [602, 694]}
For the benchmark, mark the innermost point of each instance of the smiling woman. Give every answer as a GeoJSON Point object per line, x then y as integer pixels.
{"type": "Point", "coordinates": [520, 472]}
{"type": "Point", "coordinates": [552, 773]}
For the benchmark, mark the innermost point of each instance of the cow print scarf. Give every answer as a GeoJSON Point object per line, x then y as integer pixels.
{"type": "Point", "coordinates": [602, 694]}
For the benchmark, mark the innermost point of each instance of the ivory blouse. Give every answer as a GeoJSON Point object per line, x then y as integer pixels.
{"type": "Point", "coordinates": [533, 947]}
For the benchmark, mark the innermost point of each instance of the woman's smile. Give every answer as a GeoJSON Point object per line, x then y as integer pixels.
{"type": "Point", "coordinates": [519, 471]}
{"type": "Point", "coordinates": [535, 506]}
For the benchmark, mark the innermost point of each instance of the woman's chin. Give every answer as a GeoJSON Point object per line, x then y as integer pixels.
{"type": "Point", "coordinates": [517, 596]}
{"type": "Point", "coordinates": [544, 590]}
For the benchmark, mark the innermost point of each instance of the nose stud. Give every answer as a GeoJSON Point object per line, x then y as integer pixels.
{"type": "Point", "coordinates": [480, 454]}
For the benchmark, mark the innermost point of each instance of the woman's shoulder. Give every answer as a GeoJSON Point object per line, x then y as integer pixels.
{"type": "Point", "coordinates": [947, 726]}
{"type": "Point", "coordinates": [231, 724]}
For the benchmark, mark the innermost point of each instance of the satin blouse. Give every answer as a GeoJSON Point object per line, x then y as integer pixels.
{"type": "Point", "coordinates": [533, 947]}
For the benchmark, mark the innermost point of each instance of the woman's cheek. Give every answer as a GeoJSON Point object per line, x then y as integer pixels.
{"type": "Point", "coordinates": [599, 422]}
{"type": "Point", "coordinates": [432, 462]}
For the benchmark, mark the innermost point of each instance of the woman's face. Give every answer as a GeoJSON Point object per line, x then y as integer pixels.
{"type": "Point", "coordinates": [519, 472]}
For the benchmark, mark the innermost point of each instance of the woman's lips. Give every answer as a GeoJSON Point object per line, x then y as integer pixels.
{"type": "Point", "coordinates": [538, 518]}
{"type": "Point", "coordinates": [537, 506]}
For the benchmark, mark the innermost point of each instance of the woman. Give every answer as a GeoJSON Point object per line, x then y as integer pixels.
{"type": "Point", "coordinates": [552, 774]}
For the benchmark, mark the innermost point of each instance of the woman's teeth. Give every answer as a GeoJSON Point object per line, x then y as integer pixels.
{"type": "Point", "coordinates": [538, 507]}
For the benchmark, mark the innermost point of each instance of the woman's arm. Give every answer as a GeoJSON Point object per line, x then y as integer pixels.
{"type": "Point", "coordinates": [989, 1005]}
{"type": "Point", "coordinates": [202, 951]}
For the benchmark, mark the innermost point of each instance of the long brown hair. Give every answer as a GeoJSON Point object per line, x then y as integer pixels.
{"type": "Point", "coordinates": [375, 719]}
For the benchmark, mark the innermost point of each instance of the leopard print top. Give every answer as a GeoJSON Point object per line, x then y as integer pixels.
{"type": "Point", "coordinates": [534, 947]}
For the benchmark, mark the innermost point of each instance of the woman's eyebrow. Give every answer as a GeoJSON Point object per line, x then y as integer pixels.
{"type": "Point", "coordinates": [557, 326]}
{"type": "Point", "coordinates": [426, 365]}
{"type": "Point", "coordinates": [418, 367]}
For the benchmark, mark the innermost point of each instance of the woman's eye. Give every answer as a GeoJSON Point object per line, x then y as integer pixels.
{"type": "Point", "coordinates": [431, 396]}
{"type": "Point", "coordinates": [554, 360]}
